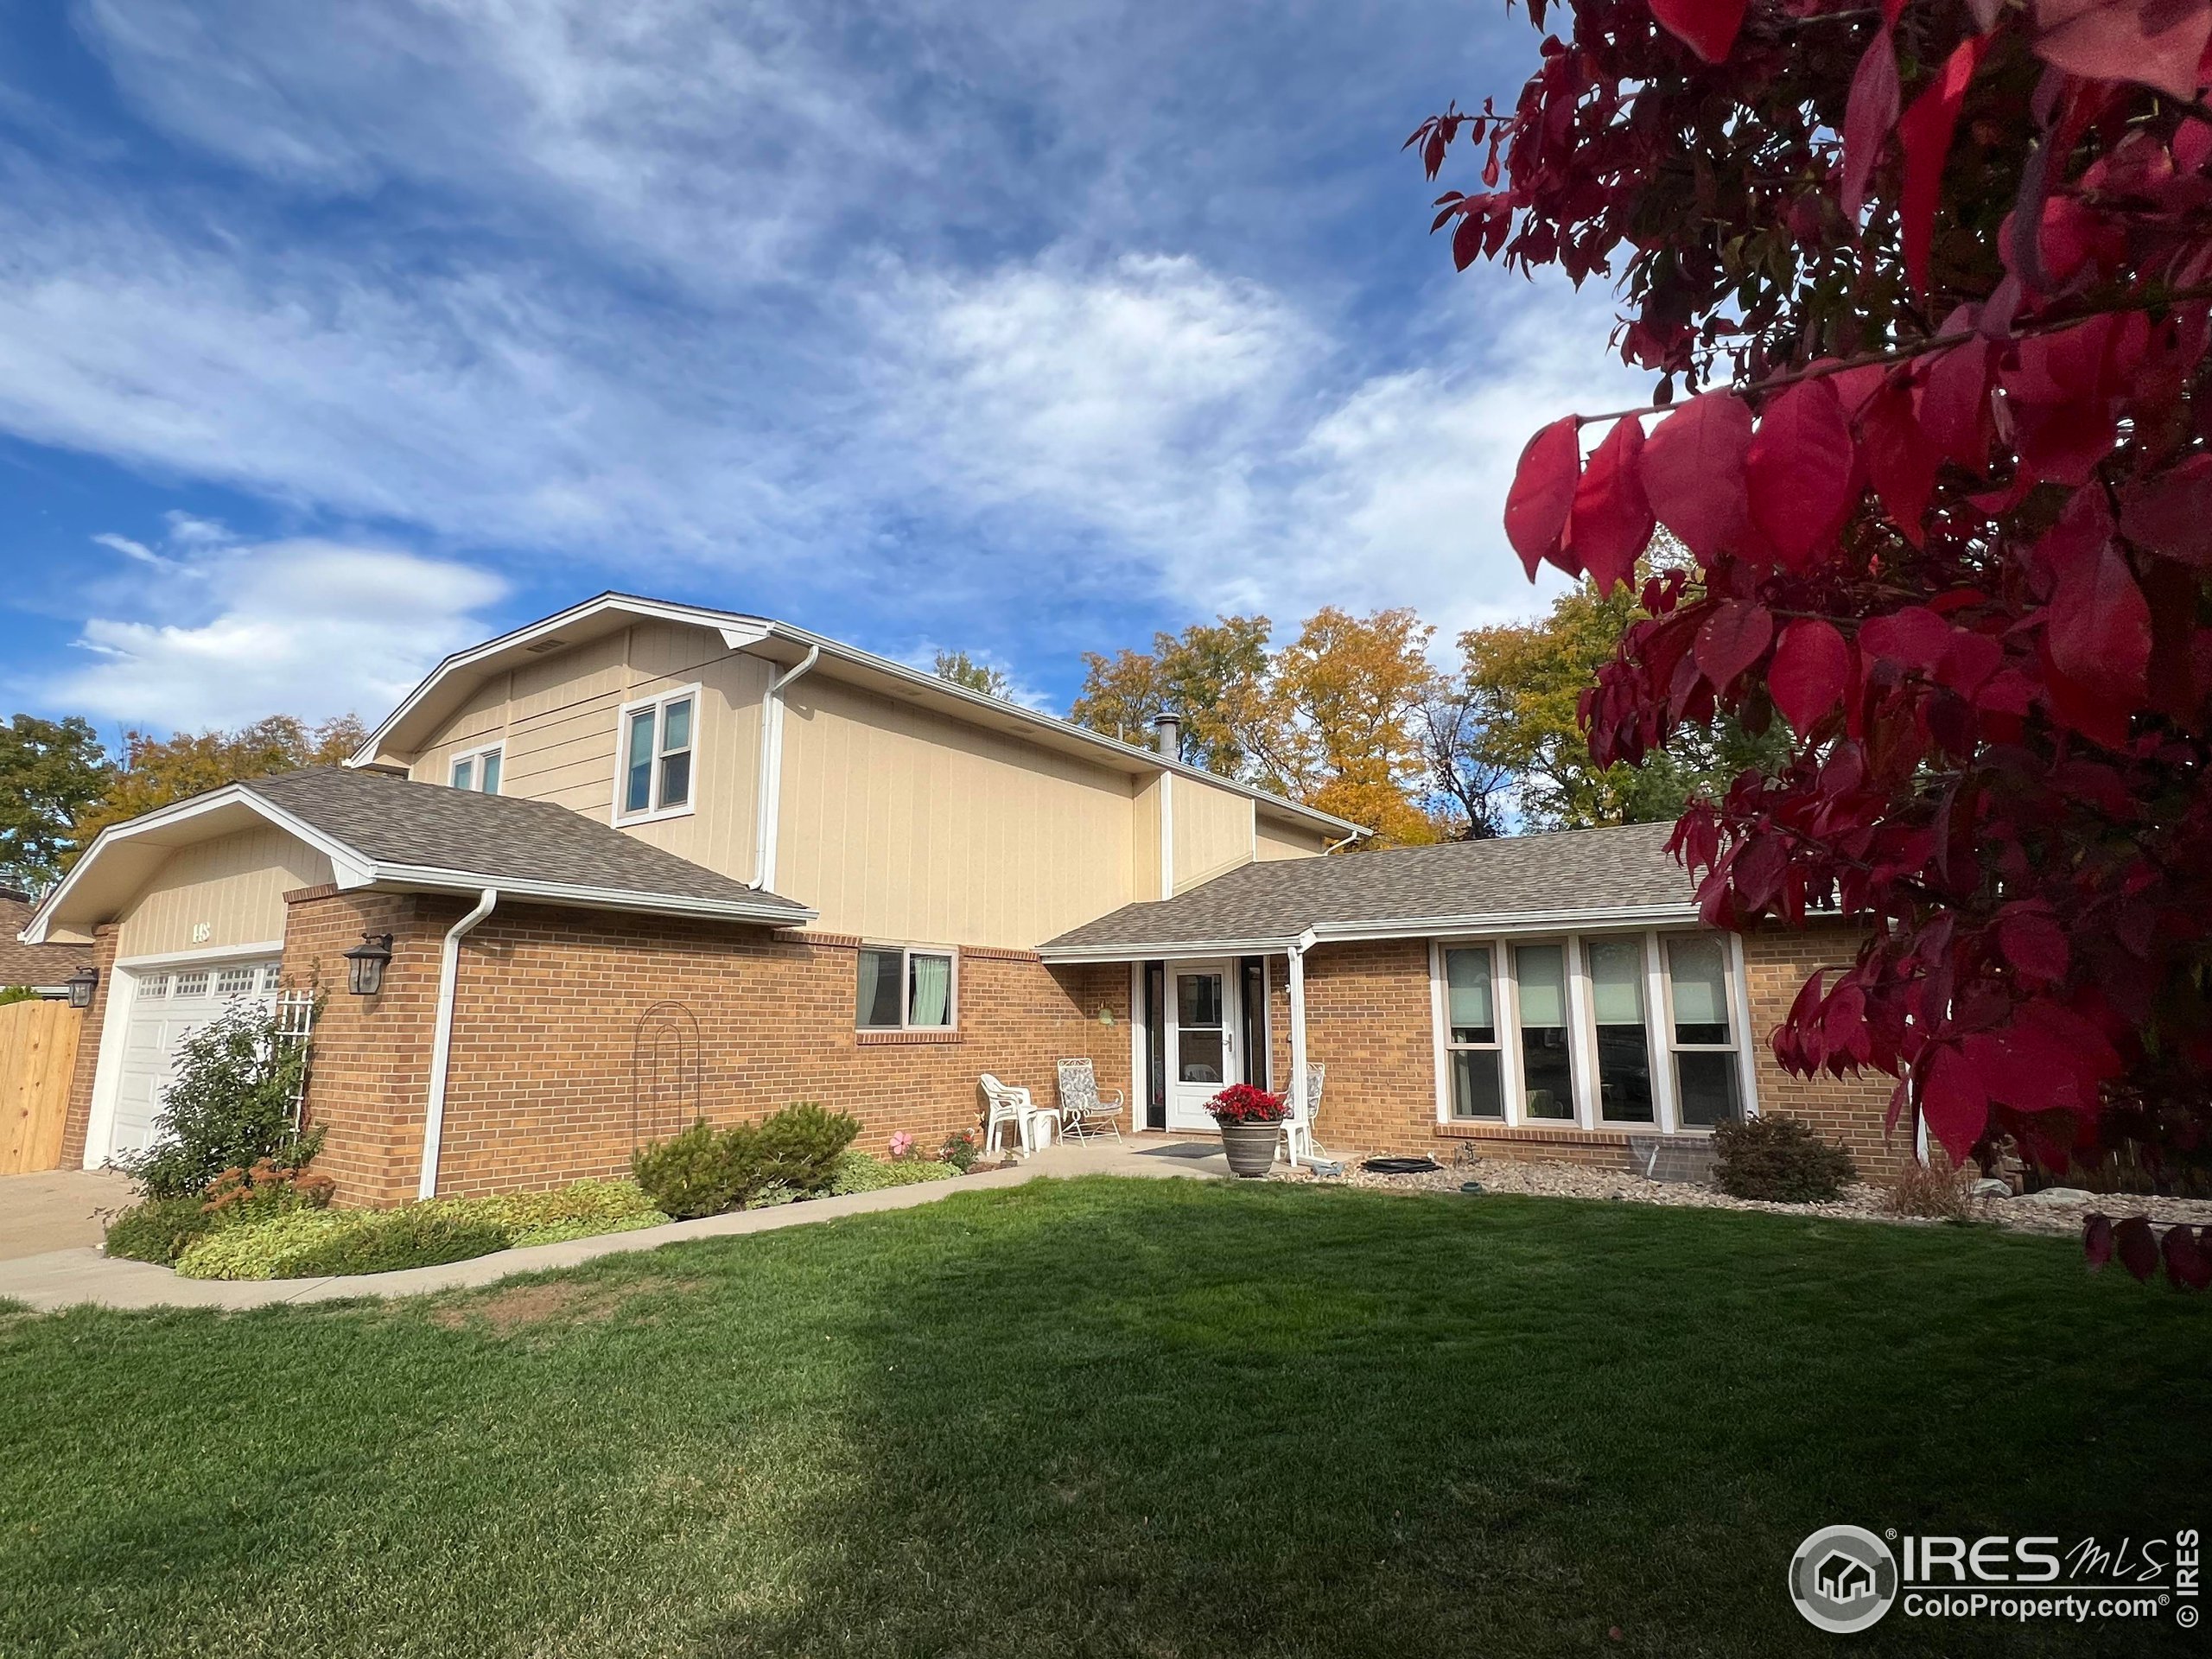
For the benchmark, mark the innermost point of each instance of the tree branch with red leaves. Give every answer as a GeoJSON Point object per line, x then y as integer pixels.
{"type": "Point", "coordinates": [1935, 277]}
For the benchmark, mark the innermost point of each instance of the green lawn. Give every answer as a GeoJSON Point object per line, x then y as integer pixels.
{"type": "Point", "coordinates": [1149, 1418]}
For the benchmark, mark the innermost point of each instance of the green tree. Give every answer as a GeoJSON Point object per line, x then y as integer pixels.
{"type": "Point", "coordinates": [961, 668]}
{"type": "Point", "coordinates": [51, 771]}
{"type": "Point", "coordinates": [1526, 683]}
{"type": "Point", "coordinates": [157, 771]}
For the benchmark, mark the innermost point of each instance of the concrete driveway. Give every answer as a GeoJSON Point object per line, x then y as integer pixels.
{"type": "Point", "coordinates": [56, 1209]}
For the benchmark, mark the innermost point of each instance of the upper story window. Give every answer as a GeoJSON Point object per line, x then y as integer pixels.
{"type": "Point", "coordinates": [903, 989]}
{"type": "Point", "coordinates": [657, 737]}
{"type": "Point", "coordinates": [477, 770]}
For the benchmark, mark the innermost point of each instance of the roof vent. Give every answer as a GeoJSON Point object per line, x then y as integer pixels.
{"type": "Point", "coordinates": [539, 647]}
{"type": "Point", "coordinates": [1167, 733]}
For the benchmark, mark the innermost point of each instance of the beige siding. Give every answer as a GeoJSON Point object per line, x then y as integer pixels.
{"type": "Point", "coordinates": [1279, 839]}
{"type": "Point", "coordinates": [1213, 831]}
{"type": "Point", "coordinates": [559, 719]}
{"type": "Point", "coordinates": [902, 824]}
{"type": "Point", "coordinates": [1144, 839]}
{"type": "Point", "coordinates": [234, 885]}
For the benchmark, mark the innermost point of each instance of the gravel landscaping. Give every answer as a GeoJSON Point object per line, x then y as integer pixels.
{"type": "Point", "coordinates": [2058, 1210]}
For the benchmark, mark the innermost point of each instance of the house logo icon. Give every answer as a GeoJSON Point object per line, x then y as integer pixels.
{"type": "Point", "coordinates": [1843, 1578]}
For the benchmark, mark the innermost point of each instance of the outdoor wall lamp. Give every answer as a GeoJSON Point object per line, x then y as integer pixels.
{"type": "Point", "coordinates": [364, 964]}
{"type": "Point", "coordinates": [80, 985]}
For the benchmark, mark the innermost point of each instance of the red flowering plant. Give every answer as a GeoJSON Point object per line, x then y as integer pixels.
{"type": "Point", "coordinates": [1245, 1102]}
{"type": "Point", "coordinates": [1934, 275]}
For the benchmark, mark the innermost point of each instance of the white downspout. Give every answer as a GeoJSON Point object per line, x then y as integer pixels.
{"type": "Point", "coordinates": [1304, 942]}
{"type": "Point", "coordinates": [770, 795]}
{"type": "Point", "coordinates": [434, 1115]}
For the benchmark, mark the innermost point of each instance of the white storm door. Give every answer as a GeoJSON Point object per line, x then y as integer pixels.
{"type": "Point", "coordinates": [1201, 1047]}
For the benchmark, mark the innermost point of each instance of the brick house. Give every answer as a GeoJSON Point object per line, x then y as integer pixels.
{"type": "Point", "coordinates": [640, 861]}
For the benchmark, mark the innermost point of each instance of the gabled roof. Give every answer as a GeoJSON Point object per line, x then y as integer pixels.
{"type": "Point", "coordinates": [41, 967]}
{"type": "Point", "coordinates": [426, 709]}
{"type": "Point", "coordinates": [1577, 876]}
{"type": "Point", "coordinates": [382, 831]}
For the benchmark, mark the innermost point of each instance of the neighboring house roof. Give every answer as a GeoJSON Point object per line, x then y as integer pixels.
{"type": "Point", "coordinates": [41, 967]}
{"type": "Point", "coordinates": [383, 831]}
{"type": "Point", "coordinates": [1622, 873]}
{"type": "Point", "coordinates": [448, 684]}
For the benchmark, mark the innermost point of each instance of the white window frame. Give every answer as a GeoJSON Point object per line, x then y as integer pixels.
{"type": "Point", "coordinates": [658, 703]}
{"type": "Point", "coordinates": [906, 954]}
{"type": "Point", "coordinates": [1652, 1057]}
{"type": "Point", "coordinates": [474, 759]}
{"type": "Point", "coordinates": [1658, 1024]}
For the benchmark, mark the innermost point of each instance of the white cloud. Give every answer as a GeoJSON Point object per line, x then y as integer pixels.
{"type": "Point", "coordinates": [307, 627]}
{"type": "Point", "coordinates": [130, 549]}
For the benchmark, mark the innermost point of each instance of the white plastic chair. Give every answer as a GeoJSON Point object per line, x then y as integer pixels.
{"type": "Point", "coordinates": [1012, 1105]}
{"type": "Point", "coordinates": [1298, 1123]}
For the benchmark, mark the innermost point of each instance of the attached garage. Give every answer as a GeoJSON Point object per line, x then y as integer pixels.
{"type": "Point", "coordinates": [168, 1004]}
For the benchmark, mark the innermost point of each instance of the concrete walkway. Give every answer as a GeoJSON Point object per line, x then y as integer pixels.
{"type": "Point", "coordinates": [57, 1208]}
{"type": "Point", "coordinates": [72, 1278]}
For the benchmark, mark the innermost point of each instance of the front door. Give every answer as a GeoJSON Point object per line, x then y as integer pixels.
{"type": "Point", "coordinates": [1202, 1052]}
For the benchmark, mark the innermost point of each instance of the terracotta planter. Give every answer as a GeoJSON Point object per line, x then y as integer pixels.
{"type": "Point", "coordinates": [1251, 1147]}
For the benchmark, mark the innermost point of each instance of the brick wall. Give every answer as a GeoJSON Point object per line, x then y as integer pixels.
{"type": "Point", "coordinates": [77, 1123]}
{"type": "Point", "coordinates": [1776, 967]}
{"type": "Point", "coordinates": [577, 1035]}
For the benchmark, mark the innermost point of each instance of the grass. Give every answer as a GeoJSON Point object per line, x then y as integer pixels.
{"type": "Point", "coordinates": [1146, 1418]}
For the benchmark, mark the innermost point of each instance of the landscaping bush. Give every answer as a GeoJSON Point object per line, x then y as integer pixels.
{"type": "Point", "coordinates": [231, 1106]}
{"type": "Point", "coordinates": [705, 1171]}
{"type": "Point", "coordinates": [581, 1210]}
{"type": "Point", "coordinates": [10, 994]}
{"type": "Point", "coordinates": [310, 1244]}
{"type": "Point", "coordinates": [160, 1229]}
{"type": "Point", "coordinates": [1935, 1191]}
{"type": "Point", "coordinates": [242, 1196]}
{"type": "Point", "coordinates": [960, 1150]}
{"type": "Point", "coordinates": [1779, 1159]}
{"type": "Point", "coordinates": [855, 1171]}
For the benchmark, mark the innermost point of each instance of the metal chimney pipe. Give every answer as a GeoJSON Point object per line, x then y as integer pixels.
{"type": "Point", "coordinates": [1167, 733]}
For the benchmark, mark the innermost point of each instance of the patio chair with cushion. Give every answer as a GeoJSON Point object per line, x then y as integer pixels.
{"type": "Point", "coordinates": [1009, 1105]}
{"type": "Point", "coordinates": [1084, 1112]}
{"type": "Point", "coordinates": [1298, 1124]}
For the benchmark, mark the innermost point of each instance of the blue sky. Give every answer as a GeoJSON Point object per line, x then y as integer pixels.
{"type": "Point", "coordinates": [333, 337]}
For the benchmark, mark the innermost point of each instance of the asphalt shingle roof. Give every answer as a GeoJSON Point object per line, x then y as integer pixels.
{"type": "Point", "coordinates": [1613, 868]}
{"type": "Point", "coordinates": [492, 837]}
{"type": "Point", "coordinates": [32, 964]}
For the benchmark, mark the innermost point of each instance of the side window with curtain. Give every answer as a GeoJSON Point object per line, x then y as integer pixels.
{"type": "Point", "coordinates": [1624, 1045]}
{"type": "Point", "coordinates": [1703, 1042]}
{"type": "Point", "coordinates": [1471, 1034]}
{"type": "Point", "coordinates": [1547, 1050]}
{"type": "Point", "coordinates": [902, 988]}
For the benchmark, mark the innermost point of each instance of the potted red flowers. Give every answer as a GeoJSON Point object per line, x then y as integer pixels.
{"type": "Point", "coordinates": [1251, 1123]}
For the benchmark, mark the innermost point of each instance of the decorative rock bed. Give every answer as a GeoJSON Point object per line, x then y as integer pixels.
{"type": "Point", "coordinates": [2058, 1210]}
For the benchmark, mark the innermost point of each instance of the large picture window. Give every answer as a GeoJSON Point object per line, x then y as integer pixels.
{"type": "Point", "coordinates": [1707, 1088]}
{"type": "Point", "coordinates": [656, 745]}
{"type": "Point", "coordinates": [1471, 1034]}
{"type": "Point", "coordinates": [1616, 967]}
{"type": "Point", "coordinates": [1547, 1052]}
{"type": "Point", "coordinates": [905, 989]}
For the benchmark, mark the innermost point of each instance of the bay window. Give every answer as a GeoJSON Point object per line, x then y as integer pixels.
{"type": "Point", "coordinates": [1616, 969]}
{"type": "Point", "coordinates": [1706, 1083]}
{"type": "Point", "coordinates": [1547, 1050]}
{"type": "Point", "coordinates": [905, 989]}
{"type": "Point", "coordinates": [656, 766]}
{"type": "Point", "coordinates": [1471, 1033]}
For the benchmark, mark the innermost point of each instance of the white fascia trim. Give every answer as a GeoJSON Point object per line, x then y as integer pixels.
{"type": "Point", "coordinates": [349, 867]}
{"type": "Point", "coordinates": [418, 877]}
{"type": "Point", "coordinates": [737, 632]}
{"type": "Point", "coordinates": [1202, 949]}
{"type": "Point", "coordinates": [210, 953]}
{"type": "Point", "coordinates": [1167, 834]}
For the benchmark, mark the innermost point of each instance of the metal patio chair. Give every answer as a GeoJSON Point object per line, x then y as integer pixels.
{"type": "Point", "coordinates": [1083, 1107]}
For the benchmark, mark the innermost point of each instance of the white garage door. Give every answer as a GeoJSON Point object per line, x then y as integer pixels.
{"type": "Point", "coordinates": [170, 1005]}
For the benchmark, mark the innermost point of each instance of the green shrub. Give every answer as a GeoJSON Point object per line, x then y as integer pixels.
{"type": "Point", "coordinates": [960, 1150]}
{"type": "Point", "coordinates": [581, 1210]}
{"type": "Point", "coordinates": [799, 1146]}
{"type": "Point", "coordinates": [855, 1171]}
{"type": "Point", "coordinates": [241, 1195]}
{"type": "Point", "coordinates": [705, 1171]}
{"type": "Point", "coordinates": [311, 1243]}
{"type": "Point", "coordinates": [10, 994]}
{"type": "Point", "coordinates": [1779, 1159]}
{"type": "Point", "coordinates": [159, 1229]}
{"type": "Point", "coordinates": [231, 1105]}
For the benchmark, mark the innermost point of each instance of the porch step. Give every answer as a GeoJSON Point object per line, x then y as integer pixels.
{"type": "Point", "coordinates": [1671, 1158]}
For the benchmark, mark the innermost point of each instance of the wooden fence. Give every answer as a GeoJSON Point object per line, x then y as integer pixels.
{"type": "Point", "coordinates": [38, 1053]}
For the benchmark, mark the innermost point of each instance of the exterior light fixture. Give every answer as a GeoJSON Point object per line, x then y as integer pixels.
{"type": "Point", "coordinates": [80, 985]}
{"type": "Point", "coordinates": [364, 964]}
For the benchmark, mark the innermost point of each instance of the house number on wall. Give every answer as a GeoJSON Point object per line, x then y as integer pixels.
{"type": "Point", "coordinates": [201, 932]}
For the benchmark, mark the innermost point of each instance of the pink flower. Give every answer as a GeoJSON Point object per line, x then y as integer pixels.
{"type": "Point", "coordinates": [901, 1144]}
